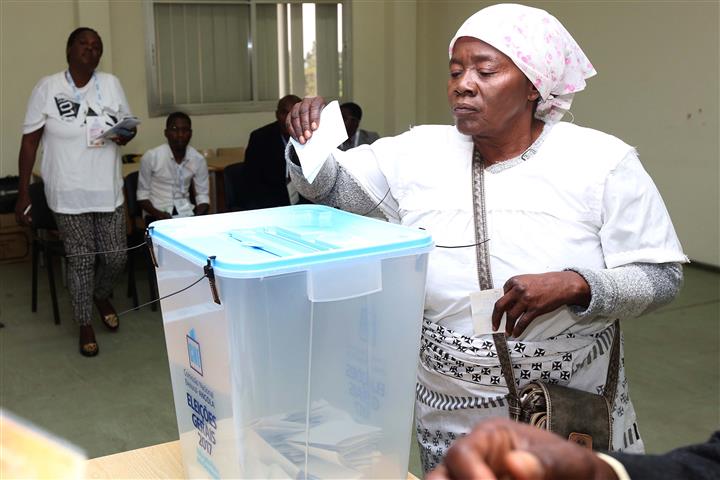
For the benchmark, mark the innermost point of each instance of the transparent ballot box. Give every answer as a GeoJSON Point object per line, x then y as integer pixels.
{"type": "Point", "coordinates": [295, 356]}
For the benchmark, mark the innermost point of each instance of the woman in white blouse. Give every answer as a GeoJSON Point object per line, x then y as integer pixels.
{"type": "Point", "coordinates": [557, 227]}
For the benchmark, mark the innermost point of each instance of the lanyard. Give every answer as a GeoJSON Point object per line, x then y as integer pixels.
{"type": "Point", "coordinates": [76, 92]}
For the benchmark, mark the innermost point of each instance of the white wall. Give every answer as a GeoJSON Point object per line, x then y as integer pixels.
{"type": "Point", "coordinates": [384, 63]}
{"type": "Point", "coordinates": [31, 46]}
{"type": "Point", "coordinates": [656, 88]}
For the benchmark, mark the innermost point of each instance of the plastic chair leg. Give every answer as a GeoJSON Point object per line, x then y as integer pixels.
{"type": "Point", "coordinates": [53, 293]}
{"type": "Point", "coordinates": [152, 281]}
{"type": "Point", "coordinates": [35, 252]}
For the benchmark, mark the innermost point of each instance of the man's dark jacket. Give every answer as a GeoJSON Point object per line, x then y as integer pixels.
{"type": "Point", "coordinates": [265, 181]}
{"type": "Point", "coordinates": [694, 462]}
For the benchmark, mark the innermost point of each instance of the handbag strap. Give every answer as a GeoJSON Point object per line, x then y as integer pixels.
{"type": "Point", "coordinates": [613, 367]}
{"type": "Point", "coordinates": [503, 354]}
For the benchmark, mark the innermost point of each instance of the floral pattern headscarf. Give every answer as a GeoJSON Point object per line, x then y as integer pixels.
{"type": "Point", "coordinates": [540, 47]}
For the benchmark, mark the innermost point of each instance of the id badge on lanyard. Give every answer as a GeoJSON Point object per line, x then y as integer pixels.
{"type": "Point", "coordinates": [94, 127]}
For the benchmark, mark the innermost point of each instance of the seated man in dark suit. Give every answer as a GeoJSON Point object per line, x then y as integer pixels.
{"type": "Point", "coordinates": [502, 448]}
{"type": "Point", "coordinates": [265, 170]}
{"type": "Point", "coordinates": [352, 114]}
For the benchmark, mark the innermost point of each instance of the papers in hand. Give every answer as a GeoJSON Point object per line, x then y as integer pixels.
{"type": "Point", "coordinates": [120, 129]}
{"type": "Point", "coordinates": [330, 133]}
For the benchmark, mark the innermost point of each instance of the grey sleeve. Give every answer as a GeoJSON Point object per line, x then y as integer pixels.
{"type": "Point", "coordinates": [630, 290]}
{"type": "Point", "coordinates": [334, 186]}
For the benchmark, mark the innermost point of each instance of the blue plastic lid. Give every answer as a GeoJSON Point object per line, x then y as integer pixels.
{"type": "Point", "coordinates": [260, 243]}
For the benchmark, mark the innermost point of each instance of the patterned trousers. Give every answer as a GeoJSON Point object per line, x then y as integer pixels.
{"type": "Point", "coordinates": [88, 233]}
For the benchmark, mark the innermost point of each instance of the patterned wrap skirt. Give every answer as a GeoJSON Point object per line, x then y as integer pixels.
{"type": "Point", "coordinates": [460, 383]}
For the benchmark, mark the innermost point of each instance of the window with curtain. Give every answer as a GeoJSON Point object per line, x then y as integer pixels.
{"type": "Point", "coordinates": [227, 56]}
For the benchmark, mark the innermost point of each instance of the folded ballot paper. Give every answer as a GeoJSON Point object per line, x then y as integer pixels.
{"type": "Point", "coordinates": [329, 135]}
{"type": "Point", "coordinates": [336, 445]}
{"type": "Point", "coordinates": [342, 442]}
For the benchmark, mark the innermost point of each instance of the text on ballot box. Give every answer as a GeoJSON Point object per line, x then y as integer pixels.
{"type": "Point", "coordinates": [296, 356]}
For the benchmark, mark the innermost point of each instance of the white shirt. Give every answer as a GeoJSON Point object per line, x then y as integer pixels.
{"type": "Point", "coordinates": [166, 183]}
{"type": "Point", "coordinates": [583, 200]}
{"type": "Point", "coordinates": [78, 179]}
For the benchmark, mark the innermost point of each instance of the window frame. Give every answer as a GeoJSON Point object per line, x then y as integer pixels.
{"type": "Point", "coordinates": [156, 109]}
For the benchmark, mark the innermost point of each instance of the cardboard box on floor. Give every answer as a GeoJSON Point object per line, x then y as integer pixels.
{"type": "Point", "coordinates": [14, 240]}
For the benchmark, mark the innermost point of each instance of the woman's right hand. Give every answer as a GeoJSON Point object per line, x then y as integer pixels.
{"type": "Point", "coordinates": [304, 118]}
{"type": "Point", "coordinates": [23, 215]}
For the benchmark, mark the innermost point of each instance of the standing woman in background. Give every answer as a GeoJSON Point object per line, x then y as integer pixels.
{"type": "Point", "coordinates": [82, 176]}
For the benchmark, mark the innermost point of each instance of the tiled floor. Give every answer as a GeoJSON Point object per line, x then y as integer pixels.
{"type": "Point", "coordinates": [122, 399]}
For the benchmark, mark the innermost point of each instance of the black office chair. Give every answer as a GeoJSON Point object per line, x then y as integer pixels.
{"type": "Point", "coordinates": [235, 188]}
{"type": "Point", "coordinates": [45, 241]}
{"type": "Point", "coordinates": [136, 236]}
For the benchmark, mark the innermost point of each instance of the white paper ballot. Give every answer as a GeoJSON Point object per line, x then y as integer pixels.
{"type": "Point", "coordinates": [335, 446]}
{"type": "Point", "coordinates": [481, 306]}
{"type": "Point", "coordinates": [329, 135]}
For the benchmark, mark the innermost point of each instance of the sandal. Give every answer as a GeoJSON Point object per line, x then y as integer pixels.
{"type": "Point", "coordinates": [88, 344]}
{"type": "Point", "coordinates": [107, 314]}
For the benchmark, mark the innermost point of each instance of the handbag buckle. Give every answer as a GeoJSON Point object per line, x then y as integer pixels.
{"type": "Point", "coordinates": [582, 439]}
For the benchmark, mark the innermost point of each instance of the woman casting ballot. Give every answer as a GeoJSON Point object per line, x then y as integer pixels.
{"type": "Point", "coordinates": [83, 183]}
{"type": "Point", "coordinates": [563, 220]}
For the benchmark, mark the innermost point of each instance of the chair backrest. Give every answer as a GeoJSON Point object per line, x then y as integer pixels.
{"type": "Point", "coordinates": [42, 216]}
{"type": "Point", "coordinates": [131, 157]}
{"type": "Point", "coordinates": [235, 191]}
{"type": "Point", "coordinates": [130, 184]}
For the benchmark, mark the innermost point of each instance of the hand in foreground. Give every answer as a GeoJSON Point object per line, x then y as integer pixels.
{"type": "Point", "coordinates": [502, 448]}
{"type": "Point", "coordinates": [304, 118]}
{"type": "Point", "coordinates": [529, 296]}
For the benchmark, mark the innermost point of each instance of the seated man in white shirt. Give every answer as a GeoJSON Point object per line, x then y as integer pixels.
{"type": "Point", "coordinates": [166, 173]}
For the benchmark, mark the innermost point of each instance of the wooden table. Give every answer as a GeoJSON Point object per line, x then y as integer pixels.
{"type": "Point", "coordinates": [215, 164]}
{"type": "Point", "coordinates": [218, 164]}
{"type": "Point", "coordinates": [158, 461]}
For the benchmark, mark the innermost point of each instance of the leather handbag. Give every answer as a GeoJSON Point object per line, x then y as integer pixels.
{"type": "Point", "coordinates": [579, 416]}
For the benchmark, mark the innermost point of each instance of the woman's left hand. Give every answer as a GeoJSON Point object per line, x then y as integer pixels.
{"type": "Point", "coordinates": [529, 296]}
{"type": "Point", "coordinates": [124, 139]}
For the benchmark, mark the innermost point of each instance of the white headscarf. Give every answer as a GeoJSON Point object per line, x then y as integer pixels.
{"type": "Point", "coordinates": [540, 47]}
